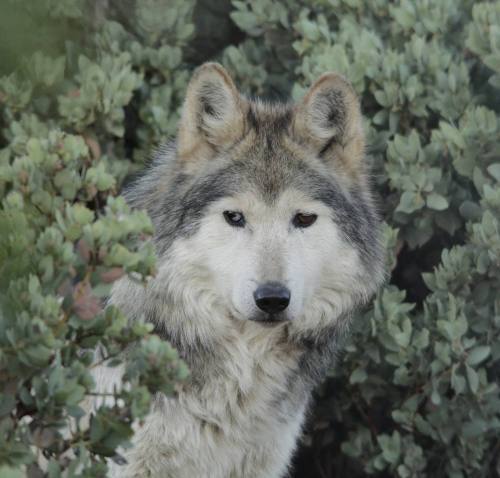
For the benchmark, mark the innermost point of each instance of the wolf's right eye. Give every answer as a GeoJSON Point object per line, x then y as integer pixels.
{"type": "Point", "coordinates": [234, 218]}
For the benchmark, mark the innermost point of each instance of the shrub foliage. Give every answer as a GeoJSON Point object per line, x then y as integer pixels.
{"type": "Point", "coordinates": [93, 87]}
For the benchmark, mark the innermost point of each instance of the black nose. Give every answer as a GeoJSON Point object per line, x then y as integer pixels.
{"type": "Point", "coordinates": [272, 297]}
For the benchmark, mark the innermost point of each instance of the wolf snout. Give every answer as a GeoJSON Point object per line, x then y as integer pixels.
{"type": "Point", "coordinates": [272, 297]}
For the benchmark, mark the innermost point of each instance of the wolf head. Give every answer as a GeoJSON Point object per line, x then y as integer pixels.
{"type": "Point", "coordinates": [263, 212]}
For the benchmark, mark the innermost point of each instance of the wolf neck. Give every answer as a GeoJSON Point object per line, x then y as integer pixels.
{"type": "Point", "coordinates": [227, 346]}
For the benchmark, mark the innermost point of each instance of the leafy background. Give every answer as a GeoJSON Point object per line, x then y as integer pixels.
{"type": "Point", "coordinates": [89, 88]}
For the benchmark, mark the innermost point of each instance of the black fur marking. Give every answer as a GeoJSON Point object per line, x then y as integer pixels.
{"type": "Point", "coordinates": [213, 100]}
{"type": "Point", "coordinates": [332, 117]}
{"type": "Point", "coordinates": [329, 113]}
{"type": "Point", "coordinates": [336, 116]}
{"type": "Point", "coordinates": [207, 107]}
{"type": "Point", "coordinates": [320, 352]}
{"type": "Point", "coordinates": [327, 146]}
{"type": "Point", "coordinates": [179, 180]}
{"type": "Point", "coordinates": [282, 122]}
{"type": "Point", "coordinates": [252, 120]}
{"type": "Point", "coordinates": [269, 141]}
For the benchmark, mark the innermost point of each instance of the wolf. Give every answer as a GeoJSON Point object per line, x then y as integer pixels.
{"type": "Point", "coordinates": [268, 239]}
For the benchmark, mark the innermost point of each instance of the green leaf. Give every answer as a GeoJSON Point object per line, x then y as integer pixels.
{"type": "Point", "coordinates": [472, 378]}
{"type": "Point", "coordinates": [474, 428]}
{"type": "Point", "coordinates": [247, 21]}
{"type": "Point", "coordinates": [453, 134]}
{"type": "Point", "coordinates": [494, 170]}
{"type": "Point", "coordinates": [437, 202]}
{"type": "Point", "coordinates": [391, 447]}
{"type": "Point", "coordinates": [457, 382]}
{"type": "Point", "coordinates": [478, 354]}
{"type": "Point", "coordinates": [8, 472]}
{"type": "Point", "coordinates": [359, 375]}
{"type": "Point", "coordinates": [409, 202]}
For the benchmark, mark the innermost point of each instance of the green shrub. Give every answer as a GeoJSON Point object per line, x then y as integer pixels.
{"type": "Point", "coordinates": [415, 392]}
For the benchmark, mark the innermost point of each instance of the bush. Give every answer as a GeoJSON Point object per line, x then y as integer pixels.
{"type": "Point", "coordinates": [415, 392]}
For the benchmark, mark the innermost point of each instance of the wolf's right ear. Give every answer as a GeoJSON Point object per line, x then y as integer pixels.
{"type": "Point", "coordinates": [212, 116]}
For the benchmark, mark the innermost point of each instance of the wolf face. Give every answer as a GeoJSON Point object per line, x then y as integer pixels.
{"type": "Point", "coordinates": [280, 259]}
{"type": "Point", "coordinates": [263, 212]}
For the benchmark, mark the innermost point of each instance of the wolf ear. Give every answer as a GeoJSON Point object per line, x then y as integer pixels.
{"type": "Point", "coordinates": [212, 115]}
{"type": "Point", "coordinates": [328, 119]}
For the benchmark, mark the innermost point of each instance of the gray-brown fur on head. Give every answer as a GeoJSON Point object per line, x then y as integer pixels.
{"type": "Point", "coordinates": [216, 116]}
{"type": "Point", "coordinates": [226, 141]}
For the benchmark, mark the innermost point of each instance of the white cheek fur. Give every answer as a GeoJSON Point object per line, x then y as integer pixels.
{"type": "Point", "coordinates": [315, 263]}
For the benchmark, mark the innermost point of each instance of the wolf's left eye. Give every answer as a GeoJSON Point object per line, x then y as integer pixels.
{"type": "Point", "coordinates": [234, 218]}
{"type": "Point", "coordinates": [304, 220]}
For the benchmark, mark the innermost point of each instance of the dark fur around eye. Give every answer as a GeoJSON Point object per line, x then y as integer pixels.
{"type": "Point", "coordinates": [234, 218]}
{"type": "Point", "coordinates": [304, 220]}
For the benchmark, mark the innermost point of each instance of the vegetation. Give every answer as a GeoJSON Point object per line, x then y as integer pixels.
{"type": "Point", "coordinates": [90, 88]}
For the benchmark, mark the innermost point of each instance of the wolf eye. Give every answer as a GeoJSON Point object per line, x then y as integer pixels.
{"type": "Point", "coordinates": [234, 218]}
{"type": "Point", "coordinates": [304, 220]}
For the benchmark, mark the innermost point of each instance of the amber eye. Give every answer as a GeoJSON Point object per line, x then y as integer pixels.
{"type": "Point", "coordinates": [304, 220]}
{"type": "Point", "coordinates": [234, 218]}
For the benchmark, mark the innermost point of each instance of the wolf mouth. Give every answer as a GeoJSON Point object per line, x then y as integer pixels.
{"type": "Point", "coordinates": [270, 319]}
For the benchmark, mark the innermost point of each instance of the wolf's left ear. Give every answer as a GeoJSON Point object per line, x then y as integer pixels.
{"type": "Point", "coordinates": [212, 115]}
{"type": "Point", "coordinates": [328, 119]}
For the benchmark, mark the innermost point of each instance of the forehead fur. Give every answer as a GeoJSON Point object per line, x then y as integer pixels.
{"type": "Point", "coordinates": [265, 153]}
{"type": "Point", "coordinates": [270, 157]}
{"type": "Point", "coordinates": [269, 120]}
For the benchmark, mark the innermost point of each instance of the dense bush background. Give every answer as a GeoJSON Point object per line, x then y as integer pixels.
{"type": "Point", "coordinates": [88, 88]}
